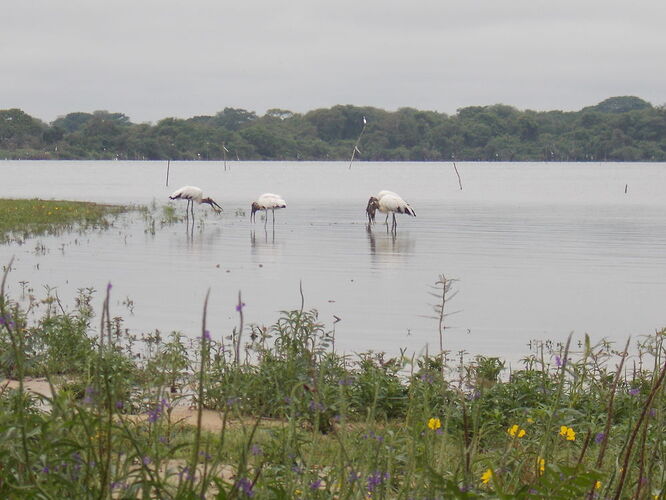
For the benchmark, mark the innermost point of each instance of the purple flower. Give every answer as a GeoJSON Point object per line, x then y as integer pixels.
{"type": "Point", "coordinates": [634, 391]}
{"type": "Point", "coordinates": [119, 405]}
{"type": "Point", "coordinates": [599, 437]}
{"type": "Point", "coordinates": [558, 361]}
{"type": "Point", "coordinates": [316, 406]}
{"type": "Point", "coordinates": [145, 460]}
{"type": "Point", "coordinates": [206, 334]}
{"type": "Point", "coordinates": [108, 287]}
{"type": "Point", "coordinates": [256, 450]}
{"type": "Point", "coordinates": [185, 472]}
{"type": "Point", "coordinates": [154, 414]}
{"type": "Point", "coordinates": [314, 485]}
{"type": "Point", "coordinates": [354, 476]}
{"type": "Point", "coordinates": [375, 479]}
{"type": "Point", "coordinates": [2, 320]}
{"type": "Point", "coordinates": [240, 306]}
{"type": "Point", "coordinates": [245, 485]}
{"type": "Point", "coordinates": [45, 469]}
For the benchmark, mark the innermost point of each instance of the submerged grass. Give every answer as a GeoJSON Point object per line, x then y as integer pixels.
{"type": "Point", "coordinates": [296, 419]}
{"type": "Point", "coordinates": [20, 219]}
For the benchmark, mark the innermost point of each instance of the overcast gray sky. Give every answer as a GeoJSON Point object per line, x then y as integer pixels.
{"type": "Point", "coordinates": [152, 59]}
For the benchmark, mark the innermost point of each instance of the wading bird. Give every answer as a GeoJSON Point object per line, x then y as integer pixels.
{"type": "Point", "coordinates": [388, 202]}
{"type": "Point", "coordinates": [193, 194]}
{"type": "Point", "coordinates": [265, 202]}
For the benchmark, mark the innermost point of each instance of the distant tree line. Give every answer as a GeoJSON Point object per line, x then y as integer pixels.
{"type": "Point", "coordinates": [617, 129]}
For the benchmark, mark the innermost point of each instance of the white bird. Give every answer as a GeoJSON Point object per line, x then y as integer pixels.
{"type": "Point", "coordinates": [379, 196]}
{"type": "Point", "coordinates": [193, 194]}
{"type": "Point", "coordinates": [388, 202]}
{"type": "Point", "coordinates": [265, 202]}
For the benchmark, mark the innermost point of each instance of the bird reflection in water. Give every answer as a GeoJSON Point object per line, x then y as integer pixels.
{"type": "Point", "coordinates": [267, 241]}
{"type": "Point", "coordinates": [389, 243]}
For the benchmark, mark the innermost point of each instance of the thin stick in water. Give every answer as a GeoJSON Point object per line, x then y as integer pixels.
{"type": "Point", "coordinates": [167, 176]}
{"type": "Point", "coordinates": [456, 169]}
{"type": "Point", "coordinates": [356, 150]}
{"type": "Point", "coordinates": [224, 153]}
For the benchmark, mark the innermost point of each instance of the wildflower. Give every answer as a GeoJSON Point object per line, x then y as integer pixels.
{"type": "Point", "coordinates": [597, 485]}
{"type": "Point", "coordinates": [434, 423]}
{"type": "Point", "coordinates": [599, 437]}
{"type": "Point", "coordinates": [145, 460]}
{"type": "Point", "coordinates": [206, 334]}
{"type": "Point", "coordinates": [515, 431]}
{"type": "Point", "coordinates": [256, 450]}
{"type": "Point", "coordinates": [375, 479]}
{"type": "Point", "coordinates": [568, 433]}
{"type": "Point", "coordinates": [487, 476]}
{"type": "Point", "coordinates": [240, 307]}
{"type": "Point", "coordinates": [530, 420]}
{"type": "Point", "coordinates": [314, 485]}
{"type": "Point", "coordinates": [245, 485]}
{"type": "Point", "coordinates": [634, 391]}
{"type": "Point", "coordinates": [541, 464]}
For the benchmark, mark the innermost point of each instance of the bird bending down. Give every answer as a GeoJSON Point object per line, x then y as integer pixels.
{"type": "Point", "coordinates": [193, 194]}
{"type": "Point", "coordinates": [265, 202]}
{"type": "Point", "coordinates": [388, 202]}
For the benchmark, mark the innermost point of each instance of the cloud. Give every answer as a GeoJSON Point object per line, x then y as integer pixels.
{"type": "Point", "coordinates": [153, 59]}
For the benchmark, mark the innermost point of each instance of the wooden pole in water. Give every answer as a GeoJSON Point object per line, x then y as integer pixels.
{"type": "Point", "coordinates": [167, 176]}
{"type": "Point", "coordinates": [356, 150]}
{"type": "Point", "coordinates": [456, 169]}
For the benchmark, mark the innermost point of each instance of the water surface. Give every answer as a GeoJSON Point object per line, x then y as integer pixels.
{"type": "Point", "coordinates": [539, 250]}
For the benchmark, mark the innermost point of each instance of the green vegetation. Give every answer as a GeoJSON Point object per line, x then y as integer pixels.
{"type": "Point", "coordinates": [617, 129]}
{"type": "Point", "coordinates": [20, 219]}
{"type": "Point", "coordinates": [299, 420]}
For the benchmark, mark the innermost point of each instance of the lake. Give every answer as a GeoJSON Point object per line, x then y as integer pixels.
{"type": "Point", "coordinates": [539, 250]}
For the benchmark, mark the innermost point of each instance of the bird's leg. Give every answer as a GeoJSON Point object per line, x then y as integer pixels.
{"type": "Point", "coordinates": [395, 224]}
{"type": "Point", "coordinates": [387, 216]}
{"type": "Point", "coordinates": [187, 212]}
{"type": "Point", "coordinates": [265, 217]}
{"type": "Point", "coordinates": [273, 210]}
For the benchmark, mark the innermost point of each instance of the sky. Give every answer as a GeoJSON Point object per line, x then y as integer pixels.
{"type": "Point", "coordinates": [153, 59]}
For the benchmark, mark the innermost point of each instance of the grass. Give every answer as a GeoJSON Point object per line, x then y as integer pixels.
{"type": "Point", "coordinates": [20, 219]}
{"type": "Point", "coordinates": [299, 420]}
{"type": "Point", "coordinates": [276, 412]}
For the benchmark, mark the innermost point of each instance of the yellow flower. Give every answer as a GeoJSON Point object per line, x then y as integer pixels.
{"type": "Point", "coordinates": [568, 433]}
{"type": "Point", "coordinates": [515, 431]}
{"type": "Point", "coordinates": [434, 423]}
{"type": "Point", "coordinates": [542, 465]}
{"type": "Point", "coordinates": [530, 420]}
{"type": "Point", "coordinates": [487, 476]}
{"type": "Point", "coordinates": [597, 485]}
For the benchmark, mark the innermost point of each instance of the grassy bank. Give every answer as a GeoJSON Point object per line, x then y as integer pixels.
{"type": "Point", "coordinates": [297, 419]}
{"type": "Point", "coordinates": [20, 219]}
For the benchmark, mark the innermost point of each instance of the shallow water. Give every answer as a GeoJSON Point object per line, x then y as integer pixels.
{"type": "Point", "coordinates": [539, 250]}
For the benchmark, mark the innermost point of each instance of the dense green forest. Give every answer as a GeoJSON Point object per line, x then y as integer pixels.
{"type": "Point", "coordinates": [617, 129]}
